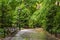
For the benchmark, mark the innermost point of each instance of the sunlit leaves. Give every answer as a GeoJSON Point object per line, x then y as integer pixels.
{"type": "Point", "coordinates": [42, 12]}
{"type": "Point", "coordinates": [31, 12]}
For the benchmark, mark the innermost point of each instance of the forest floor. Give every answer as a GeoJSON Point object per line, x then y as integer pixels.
{"type": "Point", "coordinates": [32, 34]}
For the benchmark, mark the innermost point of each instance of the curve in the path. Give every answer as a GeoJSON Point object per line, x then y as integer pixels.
{"type": "Point", "coordinates": [31, 34]}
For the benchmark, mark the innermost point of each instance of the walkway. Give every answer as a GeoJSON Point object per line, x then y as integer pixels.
{"type": "Point", "coordinates": [32, 34]}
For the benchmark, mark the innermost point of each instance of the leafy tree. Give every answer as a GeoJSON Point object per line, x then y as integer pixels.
{"type": "Point", "coordinates": [30, 13]}
{"type": "Point", "coordinates": [40, 15]}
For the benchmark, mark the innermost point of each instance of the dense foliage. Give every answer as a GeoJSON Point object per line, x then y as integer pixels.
{"type": "Point", "coordinates": [47, 16]}
{"type": "Point", "coordinates": [30, 13]}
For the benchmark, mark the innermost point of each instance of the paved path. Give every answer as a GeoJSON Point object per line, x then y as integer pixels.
{"type": "Point", "coordinates": [31, 34]}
